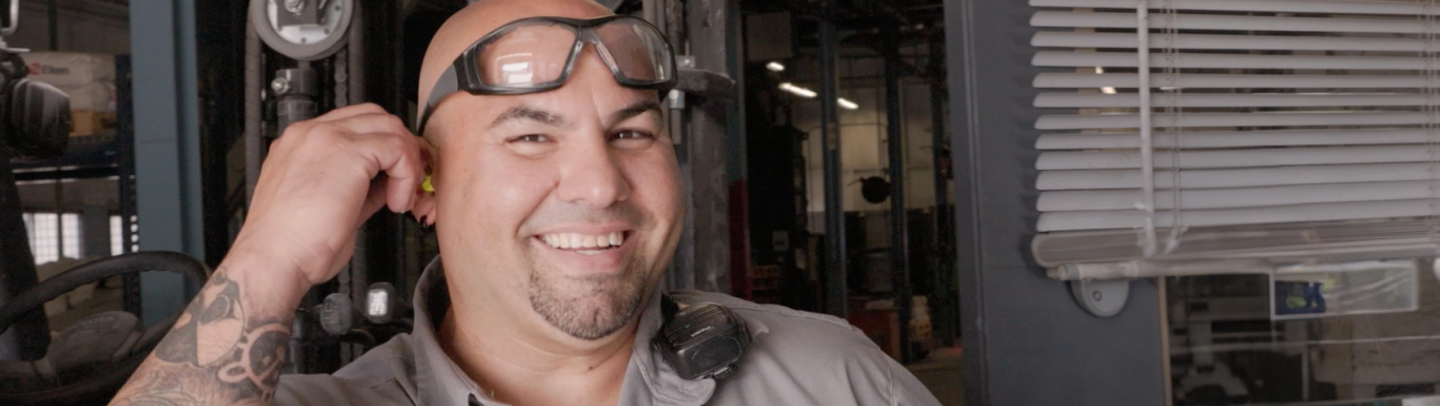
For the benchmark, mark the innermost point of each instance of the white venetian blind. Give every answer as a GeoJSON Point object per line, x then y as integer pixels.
{"type": "Point", "coordinates": [1236, 122]}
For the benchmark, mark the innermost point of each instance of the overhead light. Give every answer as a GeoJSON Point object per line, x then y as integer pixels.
{"type": "Point", "coordinates": [1099, 69]}
{"type": "Point", "coordinates": [775, 67]}
{"type": "Point", "coordinates": [848, 105]}
{"type": "Point", "coordinates": [1107, 90]}
{"type": "Point", "coordinates": [797, 90]}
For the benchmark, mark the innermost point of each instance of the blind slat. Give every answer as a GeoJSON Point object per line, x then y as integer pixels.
{"type": "Point", "coordinates": [1265, 119]}
{"type": "Point", "coordinates": [1051, 80]}
{"type": "Point", "coordinates": [1326, 133]}
{"type": "Point", "coordinates": [1065, 19]}
{"type": "Point", "coordinates": [1400, 8]}
{"type": "Point", "coordinates": [1226, 61]}
{"type": "Point", "coordinates": [1083, 100]}
{"type": "Point", "coordinates": [1236, 42]}
{"type": "Point", "coordinates": [1107, 219]}
{"type": "Point", "coordinates": [1193, 199]}
{"type": "Point", "coordinates": [1239, 139]}
{"type": "Point", "coordinates": [1236, 178]}
{"type": "Point", "coordinates": [1281, 243]}
{"type": "Point", "coordinates": [1239, 158]}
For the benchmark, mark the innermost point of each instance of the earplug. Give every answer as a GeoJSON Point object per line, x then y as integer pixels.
{"type": "Point", "coordinates": [426, 186]}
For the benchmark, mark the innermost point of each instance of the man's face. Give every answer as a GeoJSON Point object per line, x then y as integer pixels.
{"type": "Point", "coordinates": [563, 206]}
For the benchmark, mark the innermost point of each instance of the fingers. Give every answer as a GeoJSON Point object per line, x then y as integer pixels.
{"type": "Point", "coordinates": [370, 123]}
{"type": "Point", "coordinates": [379, 140]}
{"type": "Point", "coordinates": [350, 111]}
{"type": "Point", "coordinates": [398, 157]}
{"type": "Point", "coordinates": [326, 176]}
{"type": "Point", "coordinates": [374, 200]}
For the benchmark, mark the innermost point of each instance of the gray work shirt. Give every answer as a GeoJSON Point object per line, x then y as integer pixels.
{"type": "Point", "coordinates": [797, 358]}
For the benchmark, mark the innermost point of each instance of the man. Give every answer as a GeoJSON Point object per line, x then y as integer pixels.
{"type": "Point", "coordinates": [557, 203]}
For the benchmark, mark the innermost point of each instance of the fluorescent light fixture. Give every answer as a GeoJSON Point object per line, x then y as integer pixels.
{"type": "Point", "coordinates": [848, 105]}
{"type": "Point", "coordinates": [1107, 90]}
{"type": "Point", "coordinates": [775, 67]}
{"type": "Point", "coordinates": [797, 90]}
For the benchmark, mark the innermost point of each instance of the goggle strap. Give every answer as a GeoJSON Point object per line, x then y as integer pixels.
{"type": "Point", "coordinates": [447, 84]}
{"type": "Point", "coordinates": [448, 81]}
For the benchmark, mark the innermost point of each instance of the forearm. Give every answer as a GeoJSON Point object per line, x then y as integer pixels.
{"type": "Point", "coordinates": [228, 346]}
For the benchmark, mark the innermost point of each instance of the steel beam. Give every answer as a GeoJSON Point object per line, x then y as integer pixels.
{"type": "Point", "coordinates": [706, 31]}
{"type": "Point", "coordinates": [943, 301]}
{"type": "Point", "coordinates": [836, 291]}
{"type": "Point", "coordinates": [899, 224]}
{"type": "Point", "coordinates": [167, 144]}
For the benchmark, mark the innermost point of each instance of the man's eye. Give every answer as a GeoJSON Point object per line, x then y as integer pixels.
{"type": "Point", "coordinates": [531, 138]}
{"type": "Point", "coordinates": [632, 135]}
{"type": "Point", "coordinates": [531, 145]}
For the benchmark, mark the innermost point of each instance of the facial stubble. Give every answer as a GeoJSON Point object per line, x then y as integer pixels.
{"type": "Point", "coordinates": [588, 307]}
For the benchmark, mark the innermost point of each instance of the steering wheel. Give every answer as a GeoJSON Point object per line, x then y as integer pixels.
{"type": "Point", "coordinates": [91, 359]}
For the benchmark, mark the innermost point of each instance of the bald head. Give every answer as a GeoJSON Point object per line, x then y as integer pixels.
{"type": "Point", "coordinates": [481, 17]}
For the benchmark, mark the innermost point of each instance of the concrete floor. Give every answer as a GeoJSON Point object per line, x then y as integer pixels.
{"type": "Point", "coordinates": [941, 373]}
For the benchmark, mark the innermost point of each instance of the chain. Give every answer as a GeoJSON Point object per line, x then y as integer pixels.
{"type": "Point", "coordinates": [342, 77]}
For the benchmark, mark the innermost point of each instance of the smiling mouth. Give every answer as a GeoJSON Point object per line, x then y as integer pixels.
{"type": "Point", "coordinates": [585, 244]}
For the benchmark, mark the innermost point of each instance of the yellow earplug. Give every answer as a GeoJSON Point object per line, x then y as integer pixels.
{"type": "Point", "coordinates": [426, 186]}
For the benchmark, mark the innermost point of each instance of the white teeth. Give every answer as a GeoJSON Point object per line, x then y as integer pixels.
{"type": "Point", "coordinates": [578, 241]}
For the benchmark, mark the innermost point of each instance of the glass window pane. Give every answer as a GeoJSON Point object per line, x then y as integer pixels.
{"type": "Point", "coordinates": [45, 238]}
{"type": "Point", "coordinates": [116, 236]}
{"type": "Point", "coordinates": [70, 223]}
{"type": "Point", "coordinates": [1263, 339]}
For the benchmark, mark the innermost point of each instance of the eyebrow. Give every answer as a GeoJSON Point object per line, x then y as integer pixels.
{"type": "Point", "coordinates": [524, 112]}
{"type": "Point", "coordinates": [638, 108]}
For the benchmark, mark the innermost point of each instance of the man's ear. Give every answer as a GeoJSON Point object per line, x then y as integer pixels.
{"type": "Point", "coordinates": [424, 208]}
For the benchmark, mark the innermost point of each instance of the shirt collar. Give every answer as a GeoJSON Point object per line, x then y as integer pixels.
{"type": "Point", "coordinates": [439, 381]}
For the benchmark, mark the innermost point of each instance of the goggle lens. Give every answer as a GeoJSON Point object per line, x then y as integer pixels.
{"type": "Point", "coordinates": [637, 50]}
{"type": "Point", "coordinates": [535, 55]}
{"type": "Point", "coordinates": [527, 56]}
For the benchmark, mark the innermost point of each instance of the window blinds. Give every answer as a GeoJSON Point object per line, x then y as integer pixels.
{"type": "Point", "coordinates": [1281, 130]}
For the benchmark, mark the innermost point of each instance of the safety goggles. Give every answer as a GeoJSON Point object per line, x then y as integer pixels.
{"type": "Point", "coordinates": [538, 54]}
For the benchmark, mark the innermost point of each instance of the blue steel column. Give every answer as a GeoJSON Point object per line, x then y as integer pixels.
{"type": "Point", "coordinates": [167, 144]}
{"type": "Point", "coordinates": [836, 297]}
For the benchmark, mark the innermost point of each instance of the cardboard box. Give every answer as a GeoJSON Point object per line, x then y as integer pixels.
{"type": "Point", "coordinates": [89, 122]}
{"type": "Point", "coordinates": [70, 69]}
{"type": "Point", "coordinates": [95, 96]}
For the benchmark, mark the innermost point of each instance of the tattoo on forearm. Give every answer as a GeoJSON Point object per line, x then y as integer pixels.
{"type": "Point", "coordinates": [216, 354]}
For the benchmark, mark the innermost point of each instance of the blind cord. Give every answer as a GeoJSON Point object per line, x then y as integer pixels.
{"type": "Point", "coordinates": [1147, 159]}
{"type": "Point", "coordinates": [1176, 113]}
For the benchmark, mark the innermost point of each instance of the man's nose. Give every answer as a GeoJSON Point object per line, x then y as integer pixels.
{"type": "Point", "coordinates": [592, 175]}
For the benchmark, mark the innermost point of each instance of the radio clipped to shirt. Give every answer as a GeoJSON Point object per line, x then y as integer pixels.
{"type": "Point", "coordinates": [701, 339]}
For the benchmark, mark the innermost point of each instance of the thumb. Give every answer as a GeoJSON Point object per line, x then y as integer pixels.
{"type": "Point", "coordinates": [374, 200]}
